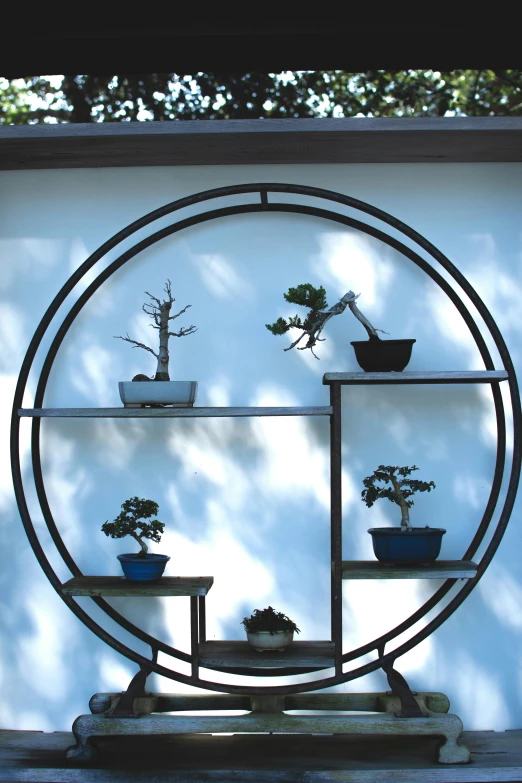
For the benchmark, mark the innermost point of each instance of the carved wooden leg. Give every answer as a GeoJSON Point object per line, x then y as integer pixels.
{"type": "Point", "coordinates": [450, 752]}
{"type": "Point", "coordinates": [83, 752]}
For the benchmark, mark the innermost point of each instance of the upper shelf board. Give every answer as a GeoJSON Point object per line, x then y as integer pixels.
{"type": "Point", "coordinates": [440, 569]}
{"type": "Point", "coordinates": [120, 586]}
{"type": "Point", "coordinates": [362, 378]}
{"type": "Point", "coordinates": [169, 413]}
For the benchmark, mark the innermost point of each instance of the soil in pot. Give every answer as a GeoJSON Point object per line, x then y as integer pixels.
{"type": "Point", "coordinates": [143, 569]}
{"type": "Point", "coordinates": [383, 355]}
{"type": "Point", "coordinates": [265, 641]}
{"type": "Point", "coordinates": [418, 546]}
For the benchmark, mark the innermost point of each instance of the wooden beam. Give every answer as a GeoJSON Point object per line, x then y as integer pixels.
{"type": "Point", "coordinates": [374, 378]}
{"type": "Point", "coordinates": [303, 654]}
{"type": "Point", "coordinates": [441, 569]}
{"type": "Point", "coordinates": [118, 585]}
{"type": "Point", "coordinates": [244, 142]}
{"type": "Point", "coordinates": [169, 413]}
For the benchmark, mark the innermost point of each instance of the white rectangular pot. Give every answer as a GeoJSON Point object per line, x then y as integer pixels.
{"type": "Point", "coordinates": [180, 394]}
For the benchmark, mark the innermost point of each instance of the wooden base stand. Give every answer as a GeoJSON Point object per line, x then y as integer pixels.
{"type": "Point", "coordinates": [268, 714]}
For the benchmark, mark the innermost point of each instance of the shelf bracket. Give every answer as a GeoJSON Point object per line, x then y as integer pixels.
{"type": "Point", "coordinates": [400, 688]}
{"type": "Point", "coordinates": [126, 705]}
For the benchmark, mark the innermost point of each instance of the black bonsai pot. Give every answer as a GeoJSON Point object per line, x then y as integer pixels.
{"type": "Point", "coordinates": [395, 546]}
{"type": "Point", "coordinates": [383, 355]}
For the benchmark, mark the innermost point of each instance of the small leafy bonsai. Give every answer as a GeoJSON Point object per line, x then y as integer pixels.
{"type": "Point", "coordinates": [400, 490]}
{"type": "Point", "coordinates": [268, 620]}
{"type": "Point", "coordinates": [159, 311]}
{"type": "Point", "coordinates": [129, 522]}
{"type": "Point", "coordinates": [319, 314]}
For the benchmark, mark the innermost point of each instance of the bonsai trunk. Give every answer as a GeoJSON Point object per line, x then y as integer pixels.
{"type": "Point", "coordinates": [143, 545]}
{"type": "Point", "coordinates": [162, 371]}
{"type": "Point", "coordinates": [372, 332]}
{"type": "Point", "coordinates": [405, 519]}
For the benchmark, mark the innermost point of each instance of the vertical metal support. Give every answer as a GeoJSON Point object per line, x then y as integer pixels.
{"type": "Point", "coordinates": [194, 645]}
{"type": "Point", "coordinates": [336, 524]}
{"type": "Point", "coordinates": [202, 619]}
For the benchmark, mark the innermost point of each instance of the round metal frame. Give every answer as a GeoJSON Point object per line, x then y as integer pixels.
{"type": "Point", "coordinates": [266, 206]}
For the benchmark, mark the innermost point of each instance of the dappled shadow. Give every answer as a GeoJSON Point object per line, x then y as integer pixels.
{"type": "Point", "coordinates": [247, 501]}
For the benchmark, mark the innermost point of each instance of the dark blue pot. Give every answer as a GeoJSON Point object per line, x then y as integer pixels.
{"type": "Point", "coordinates": [143, 569]}
{"type": "Point", "coordinates": [418, 546]}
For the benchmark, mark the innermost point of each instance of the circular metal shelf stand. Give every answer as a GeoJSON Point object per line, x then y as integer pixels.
{"type": "Point", "coordinates": [266, 206]}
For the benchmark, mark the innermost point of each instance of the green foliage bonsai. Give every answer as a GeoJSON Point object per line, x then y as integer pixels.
{"type": "Point", "coordinates": [130, 522]}
{"type": "Point", "coordinates": [268, 620]}
{"type": "Point", "coordinates": [319, 314]}
{"type": "Point", "coordinates": [397, 487]}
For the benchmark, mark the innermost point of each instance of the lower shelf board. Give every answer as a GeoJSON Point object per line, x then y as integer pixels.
{"type": "Point", "coordinates": [300, 654]}
{"type": "Point", "coordinates": [440, 569]}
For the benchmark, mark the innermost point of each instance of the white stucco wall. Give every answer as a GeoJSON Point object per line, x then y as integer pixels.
{"type": "Point", "coordinates": [248, 500]}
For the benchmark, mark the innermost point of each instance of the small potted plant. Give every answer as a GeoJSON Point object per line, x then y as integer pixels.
{"type": "Point", "coordinates": [404, 545]}
{"type": "Point", "coordinates": [373, 355]}
{"type": "Point", "coordinates": [141, 566]}
{"type": "Point", "coordinates": [269, 630]}
{"type": "Point", "coordinates": [142, 390]}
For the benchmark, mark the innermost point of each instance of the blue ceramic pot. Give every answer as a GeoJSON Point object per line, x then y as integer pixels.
{"type": "Point", "coordinates": [143, 569]}
{"type": "Point", "coordinates": [418, 546]}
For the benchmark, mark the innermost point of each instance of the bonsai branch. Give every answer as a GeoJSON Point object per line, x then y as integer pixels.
{"type": "Point", "coordinates": [141, 542]}
{"type": "Point", "coordinates": [131, 522]}
{"type": "Point", "coordinates": [159, 311]}
{"type": "Point", "coordinates": [405, 511]}
{"type": "Point", "coordinates": [136, 344]}
{"type": "Point", "coordinates": [400, 492]}
{"type": "Point", "coordinates": [312, 326]}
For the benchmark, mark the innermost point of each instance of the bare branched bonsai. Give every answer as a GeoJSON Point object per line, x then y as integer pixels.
{"type": "Point", "coordinates": [307, 295]}
{"type": "Point", "coordinates": [400, 490]}
{"type": "Point", "coordinates": [268, 620]}
{"type": "Point", "coordinates": [129, 522]}
{"type": "Point", "coordinates": [159, 311]}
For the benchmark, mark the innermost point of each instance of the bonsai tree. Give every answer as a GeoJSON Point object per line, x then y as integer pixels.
{"type": "Point", "coordinates": [393, 483]}
{"type": "Point", "coordinates": [159, 311]}
{"type": "Point", "coordinates": [130, 522]}
{"type": "Point", "coordinates": [268, 620]}
{"type": "Point", "coordinates": [318, 316]}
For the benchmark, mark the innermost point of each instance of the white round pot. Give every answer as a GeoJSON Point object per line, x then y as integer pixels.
{"type": "Point", "coordinates": [180, 394]}
{"type": "Point", "coordinates": [264, 640]}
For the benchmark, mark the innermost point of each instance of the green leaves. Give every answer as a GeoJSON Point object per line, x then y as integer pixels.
{"type": "Point", "coordinates": [255, 94]}
{"type": "Point", "coordinates": [400, 489]}
{"type": "Point", "coordinates": [268, 620]}
{"type": "Point", "coordinates": [129, 522]}
{"type": "Point", "coordinates": [305, 295]}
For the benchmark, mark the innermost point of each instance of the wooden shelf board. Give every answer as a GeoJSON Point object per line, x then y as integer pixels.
{"type": "Point", "coordinates": [168, 413]}
{"type": "Point", "coordinates": [441, 569]}
{"type": "Point", "coordinates": [458, 376]}
{"type": "Point", "coordinates": [301, 654]}
{"type": "Point", "coordinates": [119, 586]}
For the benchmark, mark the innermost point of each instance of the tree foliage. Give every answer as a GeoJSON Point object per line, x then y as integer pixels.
{"type": "Point", "coordinates": [130, 522]}
{"type": "Point", "coordinates": [268, 620]}
{"type": "Point", "coordinates": [253, 95]}
{"type": "Point", "coordinates": [400, 490]}
{"type": "Point", "coordinates": [305, 295]}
